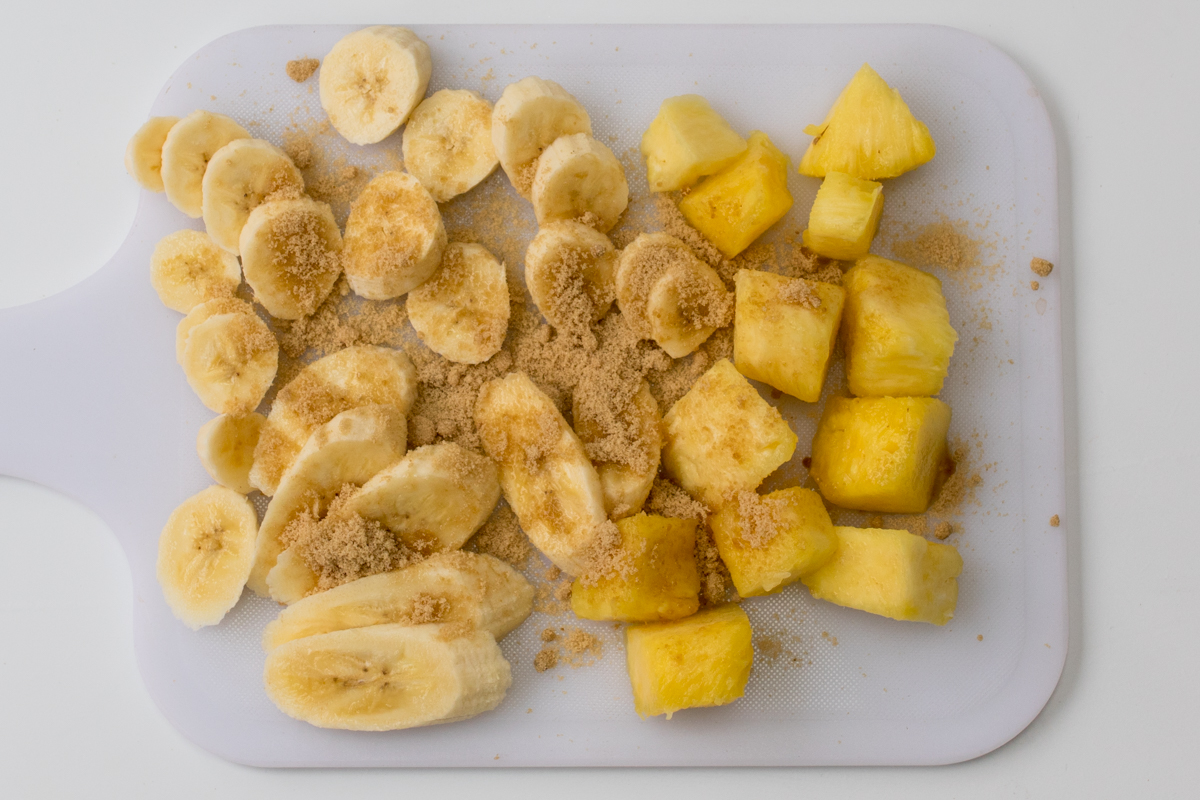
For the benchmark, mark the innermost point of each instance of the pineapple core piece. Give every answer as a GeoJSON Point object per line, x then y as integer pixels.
{"type": "Point", "coordinates": [869, 133]}
{"type": "Point", "coordinates": [896, 330]}
{"type": "Point", "coordinates": [770, 541]}
{"type": "Point", "coordinates": [703, 660]}
{"type": "Point", "coordinates": [891, 573]}
{"type": "Point", "coordinates": [844, 217]}
{"type": "Point", "coordinates": [884, 454]}
{"type": "Point", "coordinates": [737, 205]}
{"type": "Point", "coordinates": [784, 330]}
{"type": "Point", "coordinates": [722, 437]}
{"type": "Point", "coordinates": [652, 576]}
{"type": "Point", "coordinates": [686, 141]}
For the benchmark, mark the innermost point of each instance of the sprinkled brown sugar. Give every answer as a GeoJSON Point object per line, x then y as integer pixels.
{"type": "Point", "coordinates": [1041, 267]}
{"type": "Point", "coordinates": [546, 659]}
{"type": "Point", "coordinates": [959, 488]}
{"type": "Point", "coordinates": [301, 69]}
{"type": "Point", "coordinates": [306, 257]}
{"type": "Point", "coordinates": [342, 321]}
{"type": "Point", "coordinates": [943, 530]}
{"type": "Point", "coordinates": [942, 244]}
{"type": "Point", "coordinates": [759, 518]}
{"type": "Point", "coordinates": [428, 608]}
{"type": "Point", "coordinates": [799, 293]}
{"type": "Point", "coordinates": [1054, 521]}
{"type": "Point", "coordinates": [501, 536]}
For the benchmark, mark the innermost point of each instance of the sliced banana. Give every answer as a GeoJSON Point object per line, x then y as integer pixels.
{"type": "Point", "coordinates": [143, 154]}
{"type": "Point", "coordinates": [291, 255]}
{"type": "Point", "coordinates": [371, 81]}
{"type": "Point", "coordinates": [569, 271]}
{"type": "Point", "coordinates": [626, 483]}
{"type": "Point", "coordinates": [189, 145]}
{"type": "Point", "coordinates": [202, 312]}
{"type": "Point", "coordinates": [528, 117]}
{"type": "Point", "coordinates": [578, 178]}
{"type": "Point", "coordinates": [187, 268]}
{"type": "Point", "coordinates": [291, 579]}
{"type": "Point", "coordinates": [204, 555]}
{"type": "Point", "coordinates": [230, 360]}
{"type": "Point", "coordinates": [394, 237]}
{"type": "Point", "coordinates": [238, 178]}
{"type": "Point", "coordinates": [447, 142]}
{"type": "Point", "coordinates": [462, 312]}
{"type": "Point", "coordinates": [226, 444]}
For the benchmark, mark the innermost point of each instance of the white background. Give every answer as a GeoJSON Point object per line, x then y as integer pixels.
{"type": "Point", "coordinates": [1120, 82]}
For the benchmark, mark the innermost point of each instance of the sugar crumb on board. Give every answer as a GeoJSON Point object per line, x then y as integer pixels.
{"type": "Point", "coordinates": [575, 647]}
{"type": "Point", "coordinates": [1041, 267]}
{"type": "Point", "coordinates": [301, 69]}
{"type": "Point", "coordinates": [1054, 523]}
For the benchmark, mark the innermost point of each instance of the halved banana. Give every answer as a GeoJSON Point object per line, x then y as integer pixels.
{"type": "Point", "coordinates": [204, 555]}
{"type": "Point", "coordinates": [143, 154]}
{"type": "Point", "coordinates": [462, 312]}
{"type": "Point", "coordinates": [291, 255]}
{"type": "Point", "coordinates": [387, 677]}
{"type": "Point", "coordinates": [189, 145]}
{"type": "Point", "coordinates": [291, 579]}
{"type": "Point", "coordinates": [187, 268]}
{"type": "Point", "coordinates": [394, 237]}
{"type": "Point", "coordinates": [230, 360]}
{"type": "Point", "coordinates": [569, 271]}
{"type": "Point", "coordinates": [635, 425]}
{"type": "Point", "coordinates": [202, 312]}
{"type": "Point", "coordinates": [226, 444]}
{"type": "Point", "coordinates": [447, 143]}
{"type": "Point", "coordinates": [372, 79]}
{"type": "Point", "coordinates": [578, 178]}
{"type": "Point", "coordinates": [238, 178]}
{"type": "Point", "coordinates": [528, 117]}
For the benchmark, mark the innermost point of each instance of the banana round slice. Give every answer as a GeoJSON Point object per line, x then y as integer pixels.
{"type": "Point", "coordinates": [204, 555]}
{"type": "Point", "coordinates": [394, 237]}
{"type": "Point", "coordinates": [186, 151]}
{"type": "Point", "coordinates": [230, 361]}
{"type": "Point", "coordinates": [238, 178]}
{"type": "Point", "coordinates": [579, 178]}
{"type": "Point", "coordinates": [143, 154]}
{"type": "Point", "coordinates": [372, 80]}
{"type": "Point", "coordinates": [626, 484]}
{"type": "Point", "coordinates": [528, 117]}
{"type": "Point", "coordinates": [187, 268]}
{"type": "Point", "coordinates": [202, 312]}
{"type": "Point", "coordinates": [569, 271]}
{"type": "Point", "coordinates": [447, 142]}
{"type": "Point", "coordinates": [226, 444]}
{"type": "Point", "coordinates": [387, 677]}
{"type": "Point", "coordinates": [291, 255]}
{"type": "Point", "coordinates": [462, 313]}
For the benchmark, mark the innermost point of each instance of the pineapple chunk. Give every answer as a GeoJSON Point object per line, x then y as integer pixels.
{"type": "Point", "coordinates": [686, 141]}
{"type": "Point", "coordinates": [722, 437]}
{"type": "Point", "coordinates": [884, 454]}
{"type": "Point", "coordinates": [891, 573]}
{"type": "Point", "coordinates": [897, 330]}
{"type": "Point", "coordinates": [869, 133]}
{"type": "Point", "coordinates": [651, 578]}
{"type": "Point", "coordinates": [703, 660]}
{"type": "Point", "coordinates": [737, 205]}
{"type": "Point", "coordinates": [844, 217]}
{"type": "Point", "coordinates": [784, 330]}
{"type": "Point", "coordinates": [769, 542]}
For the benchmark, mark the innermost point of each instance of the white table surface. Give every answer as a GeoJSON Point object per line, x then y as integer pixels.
{"type": "Point", "coordinates": [1121, 86]}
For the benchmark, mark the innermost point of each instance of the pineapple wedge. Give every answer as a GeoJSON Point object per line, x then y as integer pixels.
{"type": "Point", "coordinates": [844, 217]}
{"type": "Point", "coordinates": [784, 330]}
{"type": "Point", "coordinates": [869, 133]}
{"type": "Point", "coordinates": [686, 141]}
{"type": "Point", "coordinates": [651, 578]}
{"type": "Point", "coordinates": [884, 454]}
{"type": "Point", "coordinates": [703, 660]}
{"type": "Point", "coordinates": [737, 205]}
{"type": "Point", "coordinates": [896, 330]}
{"type": "Point", "coordinates": [891, 573]}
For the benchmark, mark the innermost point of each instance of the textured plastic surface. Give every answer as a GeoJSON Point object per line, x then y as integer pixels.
{"type": "Point", "coordinates": [94, 405]}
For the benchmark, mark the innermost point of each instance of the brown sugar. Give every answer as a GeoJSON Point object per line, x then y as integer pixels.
{"type": "Point", "coordinates": [760, 519]}
{"type": "Point", "coordinates": [344, 320]}
{"type": "Point", "coordinates": [714, 575]}
{"type": "Point", "coordinates": [800, 262]}
{"type": "Point", "coordinates": [548, 635]}
{"type": "Point", "coordinates": [301, 69]}
{"type": "Point", "coordinates": [1054, 521]}
{"type": "Point", "coordinates": [942, 244]}
{"type": "Point", "coordinates": [943, 530]}
{"type": "Point", "coordinates": [669, 500]}
{"type": "Point", "coordinates": [427, 608]}
{"type": "Point", "coordinates": [306, 257]}
{"type": "Point", "coordinates": [799, 292]}
{"type": "Point", "coordinates": [501, 536]}
{"type": "Point", "coordinates": [546, 659]}
{"type": "Point", "coordinates": [959, 488]}
{"type": "Point", "coordinates": [580, 648]}
{"type": "Point", "coordinates": [606, 558]}
{"type": "Point", "coordinates": [1041, 267]}
{"type": "Point", "coordinates": [1034, 285]}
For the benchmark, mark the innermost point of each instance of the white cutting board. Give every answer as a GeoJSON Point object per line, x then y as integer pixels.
{"type": "Point", "coordinates": [104, 415]}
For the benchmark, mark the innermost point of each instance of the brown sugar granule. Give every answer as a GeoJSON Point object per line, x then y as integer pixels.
{"type": "Point", "coordinates": [428, 608]}
{"type": "Point", "coordinates": [959, 488]}
{"type": "Point", "coordinates": [344, 320]}
{"type": "Point", "coordinates": [979, 638]}
{"type": "Point", "coordinates": [552, 574]}
{"type": "Point", "coordinates": [671, 220]}
{"type": "Point", "coordinates": [769, 647]}
{"type": "Point", "coordinates": [943, 530]}
{"type": "Point", "coordinates": [606, 558]}
{"type": "Point", "coordinates": [1034, 285]}
{"type": "Point", "coordinates": [799, 292]}
{"type": "Point", "coordinates": [759, 518]}
{"type": "Point", "coordinates": [580, 648]}
{"type": "Point", "coordinates": [548, 635]}
{"type": "Point", "coordinates": [941, 244]}
{"type": "Point", "coordinates": [297, 235]}
{"type": "Point", "coordinates": [667, 499]}
{"type": "Point", "coordinates": [301, 69]}
{"type": "Point", "coordinates": [501, 536]}
{"type": "Point", "coordinates": [547, 658]}
{"type": "Point", "coordinates": [674, 382]}
{"type": "Point", "coordinates": [1041, 267]}
{"type": "Point", "coordinates": [800, 262]}
{"type": "Point", "coordinates": [1054, 521]}
{"type": "Point", "coordinates": [714, 575]}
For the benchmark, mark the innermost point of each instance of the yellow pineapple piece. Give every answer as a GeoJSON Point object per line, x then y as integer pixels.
{"type": "Point", "coordinates": [686, 141]}
{"type": "Point", "coordinates": [884, 454]}
{"type": "Point", "coordinates": [770, 541]}
{"type": "Point", "coordinates": [891, 573]}
{"type": "Point", "coordinates": [737, 205]}
{"type": "Point", "coordinates": [784, 330]}
{"type": "Point", "coordinates": [896, 330]}
{"type": "Point", "coordinates": [869, 133]}
{"type": "Point", "coordinates": [722, 437]}
{"type": "Point", "coordinates": [651, 578]}
{"type": "Point", "coordinates": [844, 217]}
{"type": "Point", "coordinates": [703, 660]}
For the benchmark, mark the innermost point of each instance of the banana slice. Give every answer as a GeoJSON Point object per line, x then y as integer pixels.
{"type": "Point", "coordinates": [230, 360]}
{"type": "Point", "coordinates": [143, 154]}
{"type": "Point", "coordinates": [238, 178]}
{"type": "Point", "coordinates": [528, 117]}
{"type": "Point", "coordinates": [394, 237]}
{"type": "Point", "coordinates": [291, 255]}
{"type": "Point", "coordinates": [457, 588]}
{"type": "Point", "coordinates": [201, 313]}
{"type": "Point", "coordinates": [462, 312]}
{"type": "Point", "coordinates": [387, 677]}
{"type": "Point", "coordinates": [578, 178]}
{"type": "Point", "coordinates": [447, 142]}
{"type": "Point", "coordinates": [636, 426]}
{"type": "Point", "coordinates": [291, 579]}
{"type": "Point", "coordinates": [189, 145]}
{"type": "Point", "coordinates": [187, 268]}
{"type": "Point", "coordinates": [356, 376]}
{"type": "Point", "coordinates": [372, 80]}
{"type": "Point", "coordinates": [569, 271]}
{"type": "Point", "coordinates": [544, 471]}
{"type": "Point", "coordinates": [204, 555]}
{"type": "Point", "coordinates": [226, 444]}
